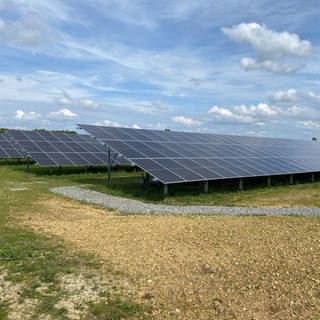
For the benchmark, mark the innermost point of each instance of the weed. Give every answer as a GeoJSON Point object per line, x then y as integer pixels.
{"type": "Point", "coordinates": [116, 309]}
{"type": "Point", "coordinates": [4, 310]}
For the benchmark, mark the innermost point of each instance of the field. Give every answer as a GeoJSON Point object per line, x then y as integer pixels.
{"type": "Point", "coordinates": [61, 259]}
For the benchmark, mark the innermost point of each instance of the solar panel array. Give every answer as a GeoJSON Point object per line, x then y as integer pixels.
{"type": "Point", "coordinates": [8, 149]}
{"type": "Point", "coordinates": [50, 149]}
{"type": "Point", "coordinates": [174, 157]}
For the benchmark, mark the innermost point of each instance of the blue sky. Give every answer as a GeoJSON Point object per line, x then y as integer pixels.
{"type": "Point", "coordinates": [237, 67]}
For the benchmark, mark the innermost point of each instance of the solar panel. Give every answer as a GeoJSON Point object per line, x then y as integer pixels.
{"type": "Point", "coordinates": [8, 150]}
{"type": "Point", "coordinates": [174, 157]}
{"type": "Point", "coordinates": [49, 149]}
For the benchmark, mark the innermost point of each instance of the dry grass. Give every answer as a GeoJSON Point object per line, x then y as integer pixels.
{"type": "Point", "coordinates": [200, 267]}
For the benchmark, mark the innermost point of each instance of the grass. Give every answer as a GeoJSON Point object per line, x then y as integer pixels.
{"type": "Point", "coordinates": [3, 310]}
{"type": "Point", "coordinates": [126, 183]}
{"type": "Point", "coordinates": [111, 311]}
{"type": "Point", "coordinates": [35, 263]}
{"type": "Point", "coordinates": [226, 193]}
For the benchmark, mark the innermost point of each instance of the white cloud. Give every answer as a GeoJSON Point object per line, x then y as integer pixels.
{"type": "Point", "coordinates": [308, 124]}
{"type": "Point", "coordinates": [29, 31]}
{"type": "Point", "coordinates": [271, 47]}
{"type": "Point", "coordinates": [148, 14]}
{"type": "Point", "coordinates": [221, 113]}
{"type": "Point", "coordinates": [158, 104]}
{"type": "Point", "coordinates": [185, 121]}
{"type": "Point", "coordinates": [269, 43]}
{"type": "Point", "coordinates": [136, 126]}
{"type": "Point", "coordinates": [252, 110]}
{"type": "Point", "coordinates": [294, 110]}
{"type": "Point", "coordinates": [28, 116]}
{"type": "Point", "coordinates": [108, 123]}
{"type": "Point", "coordinates": [88, 104]}
{"type": "Point", "coordinates": [252, 114]}
{"type": "Point", "coordinates": [289, 95]}
{"type": "Point", "coordinates": [62, 114]}
{"type": "Point", "coordinates": [313, 96]}
{"type": "Point", "coordinates": [150, 107]}
{"type": "Point", "coordinates": [64, 101]}
{"type": "Point", "coordinates": [34, 24]}
{"type": "Point", "coordinates": [267, 65]}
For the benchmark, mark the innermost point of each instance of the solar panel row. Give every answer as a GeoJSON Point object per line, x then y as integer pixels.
{"type": "Point", "coordinates": [8, 150]}
{"type": "Point", "coordinates": [174, 157]}
{"type": "Point", "coordinates": [50, 149]}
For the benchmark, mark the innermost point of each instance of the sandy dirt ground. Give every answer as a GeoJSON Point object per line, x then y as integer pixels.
{"type": "Point", "coordinates": [199, 267]}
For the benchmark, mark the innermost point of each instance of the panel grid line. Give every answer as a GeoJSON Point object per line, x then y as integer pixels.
{"type": "Point", "coordinates": [62, 149]}
{"type": "Point", "coordinates": [210, 156]}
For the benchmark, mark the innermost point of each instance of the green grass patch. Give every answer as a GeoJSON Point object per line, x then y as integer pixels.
{"type": "Point", "coordinates": [225, 193]}
{"type": "Point", "coordinates": [4, 310]}
{"type": "Point", "coordinates": [126, 183]}
{"type": "Point", "coordinates": [116, 309]}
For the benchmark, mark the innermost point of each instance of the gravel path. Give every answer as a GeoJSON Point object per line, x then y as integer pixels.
{"type": "Point", "coordinates": [138, 207]}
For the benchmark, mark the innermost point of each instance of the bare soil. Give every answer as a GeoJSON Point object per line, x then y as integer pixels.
{"type": "Point", "coordinates": [199, 267]}
{"type": "Point", "coordinates": [79, 291]}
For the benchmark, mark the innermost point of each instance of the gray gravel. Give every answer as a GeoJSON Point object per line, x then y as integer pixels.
{"type": "Point", "coordinates": [138, 207]}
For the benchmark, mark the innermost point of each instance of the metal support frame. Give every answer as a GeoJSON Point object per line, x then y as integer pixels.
{"type": "Point", "coordinates": [313, 178]}
{"type": "Point", "coordinates": [109, 167]}
{"type": "Point", "coordinates": [241, 184]}
{"type": "Point", "coordinates": [146, 178]}
{"type": "Point", "coordinates": [206, 186]}
{"type": "Point", "coordinates": [269, 181]}
{"type": "Point", "coordinates": [291, 178]}
{"type": "Point", "coordinates": [165, 189]}
{"type": "Point", "coordinates": [28, 165]}
{"type": "Point", "coordinates": [110, 163]}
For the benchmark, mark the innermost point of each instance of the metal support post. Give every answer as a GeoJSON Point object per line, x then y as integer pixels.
{"type": "Point", "coordinates": [291, 178]}
{"type": "Point", "coordinates": [165, 189]}
{"type": "Point", "coordinates": [206, 186]}
{"type": "Point", "coordinates": [109, 167]}
{"type": "Point", "coordinates": [313, 178]}
{"type": "Point", "coordinates": [28, 165]}
{"type": "Point", "coordinates": [269, 181]}
{"type": "Point", "coordinates": [241, 184]}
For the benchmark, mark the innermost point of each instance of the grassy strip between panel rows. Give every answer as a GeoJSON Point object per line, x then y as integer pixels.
{"type": "Point", "coordinates": [125, 183]}
{"type": "Point", "coordinates": [39, 275]}
{"type": "Point", "coordinates": [222, 193]}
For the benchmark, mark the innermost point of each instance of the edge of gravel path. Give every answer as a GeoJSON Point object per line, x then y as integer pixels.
{"type": "Point", "coordinates": [124, 205]}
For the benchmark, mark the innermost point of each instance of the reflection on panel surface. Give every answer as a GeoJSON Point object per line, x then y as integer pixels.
{"type": "Point", "coordinates": [174, 157]}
